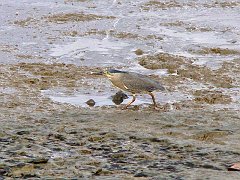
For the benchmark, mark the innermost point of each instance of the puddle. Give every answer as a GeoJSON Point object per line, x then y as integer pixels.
{"type": "Point", "coordinates": [105, 99]}
{"type": "Point", "coordinates": [82, 45]}
{"type": "Point", "coordinates": [8, 90]}
{"type": "Point", "coordinates": [89, 49]}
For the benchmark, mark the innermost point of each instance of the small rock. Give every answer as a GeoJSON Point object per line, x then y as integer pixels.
{"type": "Point", "coordinates": [98, 172]}
{"type": "Point", "coordinates": [39, 160]}
{"type": "Point", "coordinates": [139, 52]}
{"type": "Point", "coordinates": [119, 97]}
{"type": "Point", "coordinates": [59, 136]}
{"type": "Point", "coordinates": [22, 132]}
{"type": "Point", "coordinates": [91, 102]}
{"type": "Point", "coordinates": [141, 174]}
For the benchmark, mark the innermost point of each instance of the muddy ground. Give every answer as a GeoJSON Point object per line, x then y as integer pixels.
{"type": "Point", "coordinates": [45, 139]}
{"type": "Point", "coordinates": [195, 135]}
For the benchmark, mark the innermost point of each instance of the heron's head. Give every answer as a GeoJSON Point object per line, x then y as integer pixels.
{"type": "Point", "coordinates": [112, 72]}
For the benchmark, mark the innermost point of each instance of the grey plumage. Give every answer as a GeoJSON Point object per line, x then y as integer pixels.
{"type": "Point", "coordinates": [138, 83]}
{"type": "Point", "coordinates": [134, 83]}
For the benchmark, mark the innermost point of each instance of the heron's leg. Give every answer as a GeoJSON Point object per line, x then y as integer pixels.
{"type": "Point", "coordinates": [153, 99]}
{"type": "Point", "coordinates": [128, 104]}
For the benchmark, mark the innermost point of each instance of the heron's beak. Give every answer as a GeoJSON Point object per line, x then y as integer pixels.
{"type": "Point", "coordinates": [98, 73]}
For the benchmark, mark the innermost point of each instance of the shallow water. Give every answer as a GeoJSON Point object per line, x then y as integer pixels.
{"type": "Point", "coordinates": [173, 25]}
{"type": "Point", "coordinates": [104, 99]}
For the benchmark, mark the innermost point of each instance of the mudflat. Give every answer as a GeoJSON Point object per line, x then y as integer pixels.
{"type": "Point", "coordinates": [50, 53]}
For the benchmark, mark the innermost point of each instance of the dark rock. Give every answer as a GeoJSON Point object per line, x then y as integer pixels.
{"type": "Point", "coordinates": [141, 174]}
{"type": "Point", "coordinates": [139, 52]}
{"type": "Point", "coordinates": [119, 97]}
{"type": "Point", "coordinates": [22, 132]}
{"type": "Point", "coordinates": [60, 137]}
{"type": "Point", "coordinates": [91, 102]}
{"type": "Point", "coordinates": [39, 160]}
{"type": "Point", "coordinates": [26, 176]}
{"type": "Point", "coordinates": [3, 171]}
{"type": "Point", "coordinates": [98, 172]}
{"type": "Point", "coordinates": [72, 143]}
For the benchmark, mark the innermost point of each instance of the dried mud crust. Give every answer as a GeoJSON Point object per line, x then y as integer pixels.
{"type": "Point", "coordinates": [113, 33]}
{"type": "Point", "coordinates": [183, 69]}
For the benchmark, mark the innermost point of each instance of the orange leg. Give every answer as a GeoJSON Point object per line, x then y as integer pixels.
{"type": "Point", "coordinates": [153, 99]}
{"type": "Point", "coordinates": [128, 104]}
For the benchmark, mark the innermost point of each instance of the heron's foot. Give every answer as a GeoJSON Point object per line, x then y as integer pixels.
{"type": "Point", "coordinates": [133, 108]}
{"type": "Point", "coordinates": [155, 107]}
{"type": "Point", "coordinates": [124, 107]}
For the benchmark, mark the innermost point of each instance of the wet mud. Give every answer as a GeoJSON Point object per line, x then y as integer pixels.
{"type": "Point", "coordinates": [61, 119]}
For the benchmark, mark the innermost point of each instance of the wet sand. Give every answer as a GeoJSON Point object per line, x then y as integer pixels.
{"type": "Point", "coordinates": [49, 53]}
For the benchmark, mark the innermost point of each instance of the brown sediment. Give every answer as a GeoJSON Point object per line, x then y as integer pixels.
{"type": "Point", "coordinates": [205, 75]}
{"type": "Point", "coordinates": [62, 18]}
{"type": "Point", "coordinates": [225, 4]}
{"type": "Point", "coordinates": [188, 26]}
{"type": "Point", "coordinates": [43, 76]}
{"type": "Point", "coordinates": [119, 35]}
{"type": "Point", "coordinates": [163, 61]}
{"type": "Point", "coordinates": [219, 51]}
{"type": "Point", "coordinates": [75, 0]}
{"type": "Point", "coordinates": [75, 17]}
{"type": "Point", "coordinates": [210, 136]}
{"type": "Point", "coordinates": [184, 69]}
{"type": "Point", "coordinates": [8, 48]}
{"type": "Point", "coordinates": [27, 56]}
{"type": "Point", "coordinates": [211, 97]}
{"type": "Point", "coordinates": [232, 69]}
{"type": "Point", "coordinates": [25, 22]}
{"type": "Point", "coordinates": [156, 5]}
{"type": "Point", "coordinates": [160, 5]}
{"type": "Point", "coordinates": [90, 32]}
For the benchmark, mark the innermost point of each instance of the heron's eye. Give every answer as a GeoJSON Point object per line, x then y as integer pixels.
{"type": "Point", "coordinates": [107, 73]}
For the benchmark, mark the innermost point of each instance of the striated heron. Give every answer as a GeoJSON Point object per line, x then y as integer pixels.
{"type": "Point", "coordinates": [134, 83]}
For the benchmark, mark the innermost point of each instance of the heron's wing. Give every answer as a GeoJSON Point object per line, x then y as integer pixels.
{"type": "Point", "coordinates": [135, 82]}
